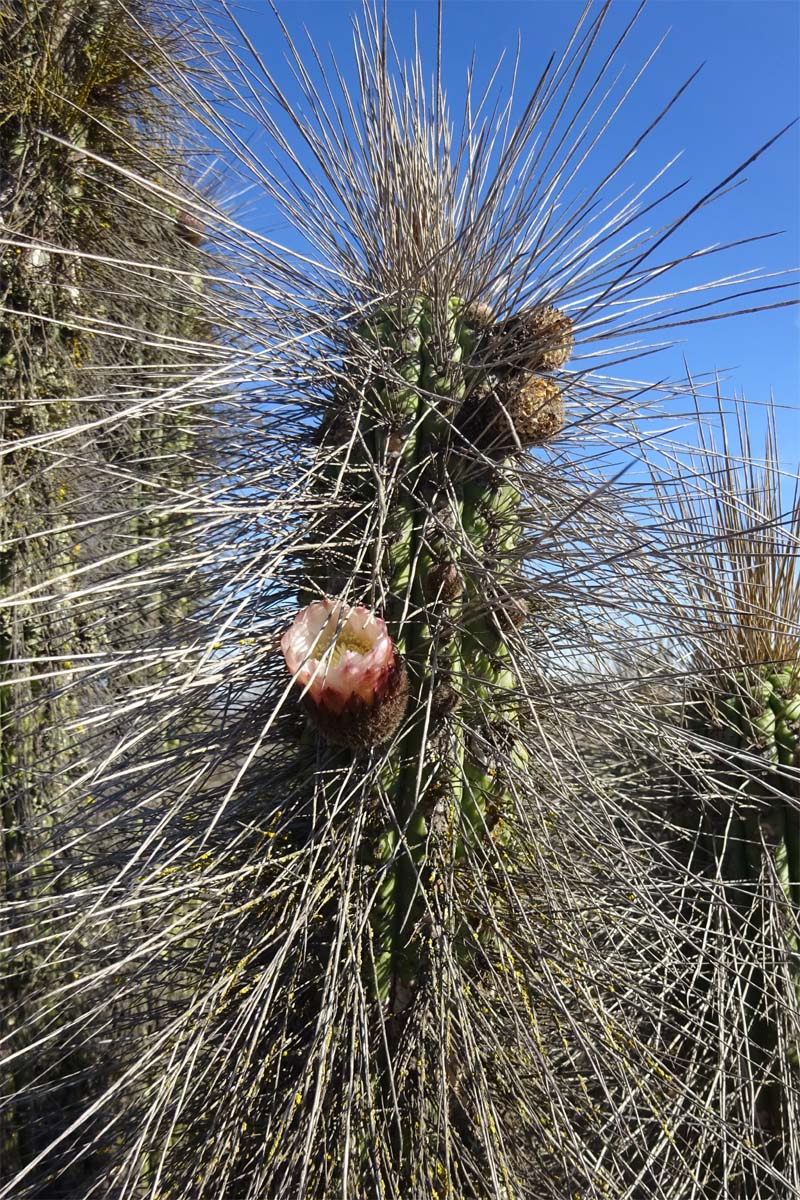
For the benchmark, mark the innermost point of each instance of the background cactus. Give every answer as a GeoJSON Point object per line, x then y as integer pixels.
{"type": "Point", "coordinates": [87, 445]}
{"type": "Point", "coordinates": [468, 959]}
{"type": "Point", "coordinates": [738, 542]}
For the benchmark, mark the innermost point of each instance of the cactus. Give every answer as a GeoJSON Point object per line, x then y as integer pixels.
{"type": "Point", "coordinates": [445, 514]}
{"type": "Point", "coordinates": [742, 716]}
{"type": "Point", "coordinates": [75, 85]}
{"type": "Point", "coordinates": [374, 896]}
{"type": "Point", "coordinates": [756, 719]}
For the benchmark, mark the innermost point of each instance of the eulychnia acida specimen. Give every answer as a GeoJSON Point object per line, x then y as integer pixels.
{"type": "Point", "coordinates": [423, 959]}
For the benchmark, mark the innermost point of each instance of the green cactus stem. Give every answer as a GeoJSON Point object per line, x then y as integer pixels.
{"type": "Point", "coordinates": [407, 437]}
{"type": "Point", "coordinates": [759, 722]}
{"type": "Point", "coordinates": [756, 723]}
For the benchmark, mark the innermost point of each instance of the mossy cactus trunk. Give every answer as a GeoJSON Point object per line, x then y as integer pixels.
{"type": "Point", "coordinates": [39, 358]}
{"type": "Point", "coordinates": [72, 87]}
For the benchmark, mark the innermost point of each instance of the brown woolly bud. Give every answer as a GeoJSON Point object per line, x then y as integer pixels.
{"type": "Point", "coordinates": [539, 340]}
{"type": "Point", "coordinates": [478, 315]}
{"type": "Point", "coordinates": [355, 686]}
{"type": "Point", "coordinates": [535, 407]}
{"type": "Point", "coordinates": [190, 228]}
{"type": "Point", "coordinates": [444, 582]}
{"type": "Point", "coordinates": [336, 427]}
{"type": "Point", "coordinates": [512, 611]}
{"type": "Point", "coordinates": [518, 412]}
{"type": "Point", "coordinates": [444, 701]}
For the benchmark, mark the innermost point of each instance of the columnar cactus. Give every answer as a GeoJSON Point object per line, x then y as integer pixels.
{"type": "Point", "coordinates": [751, 825]}
{"type": "Point", "coordinates": [449, 398]}
{"type": "Point", "coordinates": [79, 480]}
{"type": "Point", "coordinates": [743, 719]}
{"type": "Point", "coordinates": [370, 900]}
{"type": "Point", "coordinates": [757, 720]}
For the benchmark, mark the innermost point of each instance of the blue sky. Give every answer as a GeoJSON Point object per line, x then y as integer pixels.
{"type": "Point", "coordinates": [748, 88]}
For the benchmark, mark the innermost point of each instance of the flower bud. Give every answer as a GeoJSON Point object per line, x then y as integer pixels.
{"type": "Point", "coordinates": [518, 412]}
{"type": "Point", "coordinates": [511, 611]}
{"type": "Point", "coordinates": [336, 427]}
{"type": "Point", "coordinates": [355, 686]}
{"type": "Point", "coordinates": [478, 315]}
{"type": "Point", "coordinates": [190, 227]}
{"type": "Point", "coordinates": [445, 701]}
{"type": "Point", "coordinates": [443, 582]}
{"type": "Point", "coordinates": [536, 409]}
{"type": "Point", "coordinates": [539, 340]}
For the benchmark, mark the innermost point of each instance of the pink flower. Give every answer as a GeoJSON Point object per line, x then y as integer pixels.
{"type": "Point", "coordinates": [354, 685]}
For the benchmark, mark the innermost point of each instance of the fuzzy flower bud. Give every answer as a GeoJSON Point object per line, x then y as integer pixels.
{"type": "Point", "coordinates": [518, 412]}
{"type": "Point", "coordinates": [355, 686]}
{"type": "Point", "coordinates": [540, 339]}
{"type": "Point", "coordinates": [536, 409]}
{"type": "Point", "coordinates": [443, 582]}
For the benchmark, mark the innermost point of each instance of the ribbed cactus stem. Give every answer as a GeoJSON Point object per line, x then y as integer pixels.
{"type": "Point", "coordinates": [491, 524]}
{"type": "Point", "coordinates": [396, 339]}
{"type": "Point", "coordinates": [442, 381]}
{"type": "Point", "coordinates": [77, 89]}
{"type": "Point", "coordinates": [444, 520]}
{"type": "Point", "coordinates": [760, 723]}
{"type": "Point", "coordinates": [757, 721]}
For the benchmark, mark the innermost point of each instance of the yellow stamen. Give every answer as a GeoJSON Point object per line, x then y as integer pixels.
{"type": "Point", "coordinates": [335, 643]}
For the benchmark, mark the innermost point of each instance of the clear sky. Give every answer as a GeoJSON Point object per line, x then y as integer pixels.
{"type": "Point", "coordinates": [748, 88]}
